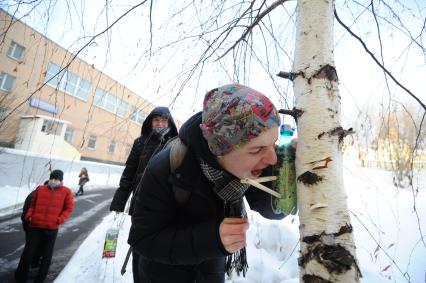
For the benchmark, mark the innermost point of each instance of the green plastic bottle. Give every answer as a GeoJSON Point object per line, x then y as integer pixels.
{"type": "Point", "coordinates": [285, 171]}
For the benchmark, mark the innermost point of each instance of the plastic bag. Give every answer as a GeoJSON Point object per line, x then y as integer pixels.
{"type": "Point", "coordinates": [110, 245]}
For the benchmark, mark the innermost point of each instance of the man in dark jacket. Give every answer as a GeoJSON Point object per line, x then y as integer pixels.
{"type": "Point", "coordinates": [25, 224]}
{"type": "Point", "coordinates": [157, 128]}
{"type": "Point", "coordinates": [232, 139]}
{"type": "Point", "coordinates": [51, 206]}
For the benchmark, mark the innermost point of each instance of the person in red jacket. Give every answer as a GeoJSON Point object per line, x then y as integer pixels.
{"type": "Point", "coordinates": [50, 207]}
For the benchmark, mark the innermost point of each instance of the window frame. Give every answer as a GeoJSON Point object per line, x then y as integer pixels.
{"type": "Point", "coordinates": [112, 145]}
{"type": "Point", "coordinates": [109, 102]}
{"type": "Point", "coordinates": [3, 78]}
{"type": "Point", "coordinates": [12, 50]}
{"type": "Point", "coordinates": [121, 108]}
{"type": "Point", "coordinates": [138, 116]}
{"type": "Point", "coordinates": [50, 127]}
{"type": "Point", "coordinates": [67, 134]}
{"type": "Point", "coordinates": [67, 82]}
{"type": "Point", "coordinates": [90, 139]}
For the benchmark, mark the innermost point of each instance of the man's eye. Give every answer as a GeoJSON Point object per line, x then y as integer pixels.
{"type": "Point", "coordinates": [256, 151]}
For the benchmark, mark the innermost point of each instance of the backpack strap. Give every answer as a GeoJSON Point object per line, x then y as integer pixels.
{"type": "Point", "coordinates": [177, 153]}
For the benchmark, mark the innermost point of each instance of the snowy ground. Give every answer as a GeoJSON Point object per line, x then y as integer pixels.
{"type": "Point", "coordinates": [387, 228]}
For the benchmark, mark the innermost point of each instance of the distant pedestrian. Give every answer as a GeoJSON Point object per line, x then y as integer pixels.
{"type": "Point", "coordinates": [37, 256]}
{"type": "Point", "coordinates": [84, 178]}
{"type": "Point", "coordinates": [51, 206]}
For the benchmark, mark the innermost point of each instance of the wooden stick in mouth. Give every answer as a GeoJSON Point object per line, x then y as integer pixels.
{"type": "Point", "coordinates": [255, 183]}
{"type": "Point", "coordinates": [265, 179]}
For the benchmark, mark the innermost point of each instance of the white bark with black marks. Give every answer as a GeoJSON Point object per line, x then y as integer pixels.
{"type": "Point", "coordinates": [326, 239]}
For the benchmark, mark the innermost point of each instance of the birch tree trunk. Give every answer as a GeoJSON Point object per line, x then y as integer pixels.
{"type": "Point", "coordinates": [327, 250]}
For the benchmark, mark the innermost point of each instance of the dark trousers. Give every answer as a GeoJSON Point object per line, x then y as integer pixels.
{"type": "Point", "coordinates": [36, 237]}
{"type": "Point", "coordinates": [36, 261]}
{"type": "Point", "coordinates": [80, 191]}
{"type": "Point", "coordinates": [135, 267]}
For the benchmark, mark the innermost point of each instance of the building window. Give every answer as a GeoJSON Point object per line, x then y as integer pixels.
{"type": "Point", "coordinates": [54, 75]}
{"type": "Point", "coordinates": [15, 51]}
{"type": "Point", "coordinates": [70, 83]}
{"type": "Point", "coordinates": [67, 82]}
{"type": "Point", "coordinates": [109, 102]}
{"type": "Point", "coordinates": [111, 147]}
{"type": "Point", "coordinates": [69, 134]}
{"type": "Point", "coordinates": [6, 81]}
{"type": "Point", "coordinates": [51, 127]}
{"type": "Point", "coordinates": [121, 108]}
{"type": "Point", "coordinates": [137, 115]}
{"type": "Point", "coordinates": [92, 142]}
{"type": "Point", "coordinates": [82, 89]}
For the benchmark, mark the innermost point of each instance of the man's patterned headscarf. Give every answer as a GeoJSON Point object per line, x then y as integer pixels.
{"type": "Point", "coordinates": [233, 115]}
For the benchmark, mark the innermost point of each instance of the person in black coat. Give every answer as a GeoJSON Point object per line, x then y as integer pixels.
{"type": "Point", "coordinates": [157, 128]}
{"type": "Point", "coordinates": [202, 239]}
{"type": "Point", "coordinates": [25, 225]}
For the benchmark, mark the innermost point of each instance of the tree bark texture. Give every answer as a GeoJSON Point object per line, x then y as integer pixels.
{"type": "Point", "coordinates": [327, 249]}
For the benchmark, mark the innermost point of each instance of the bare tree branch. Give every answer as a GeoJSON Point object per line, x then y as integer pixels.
{"type": "Point", "coordinates": [404, 274]}
{"type": "Point", "coordinates": [72, 59]}
{"type": "Point", "coordinates": [412, 188]}
{"type": "Point", "coordinates": [253, 24]}
{"type": "Point", "coordinates": [377, 61]}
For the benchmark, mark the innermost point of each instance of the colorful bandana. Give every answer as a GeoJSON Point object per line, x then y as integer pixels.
{"type": "Point", "coordinates": [233, 115]}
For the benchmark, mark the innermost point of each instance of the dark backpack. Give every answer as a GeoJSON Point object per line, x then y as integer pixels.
{"type": "Point", "coordinates": [177, 154]}
{"type": "Point", "coordinates": [27, 203]}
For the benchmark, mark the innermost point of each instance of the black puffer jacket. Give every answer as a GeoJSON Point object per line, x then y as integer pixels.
{"type": "Point", "coordinates": [142, 150]}
{"type": "Point", "coordinates": [27, 202]}
{"type": "Point", "coordinates": [182, 244]}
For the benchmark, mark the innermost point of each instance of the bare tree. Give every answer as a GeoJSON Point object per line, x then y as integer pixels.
{"type": "Point", "coordinates": [400, 142]}
{"type": "Point", "coordinates": [193, 44]}
{"type": "Point", "coordinates": [326, 239]}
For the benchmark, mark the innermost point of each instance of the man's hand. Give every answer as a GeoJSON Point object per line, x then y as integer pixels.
{"type": "Point", "coordinates": [232, 233]}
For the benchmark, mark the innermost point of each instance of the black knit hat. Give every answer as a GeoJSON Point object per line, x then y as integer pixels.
{"type": "Point", "coordinates": [57, 174]}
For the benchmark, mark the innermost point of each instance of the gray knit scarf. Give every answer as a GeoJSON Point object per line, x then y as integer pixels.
{"type": "Point", "coordinates": [231, 191]}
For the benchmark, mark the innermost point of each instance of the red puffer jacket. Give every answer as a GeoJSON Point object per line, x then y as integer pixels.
{"type": "Point", "coordinates": [50, 207]}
